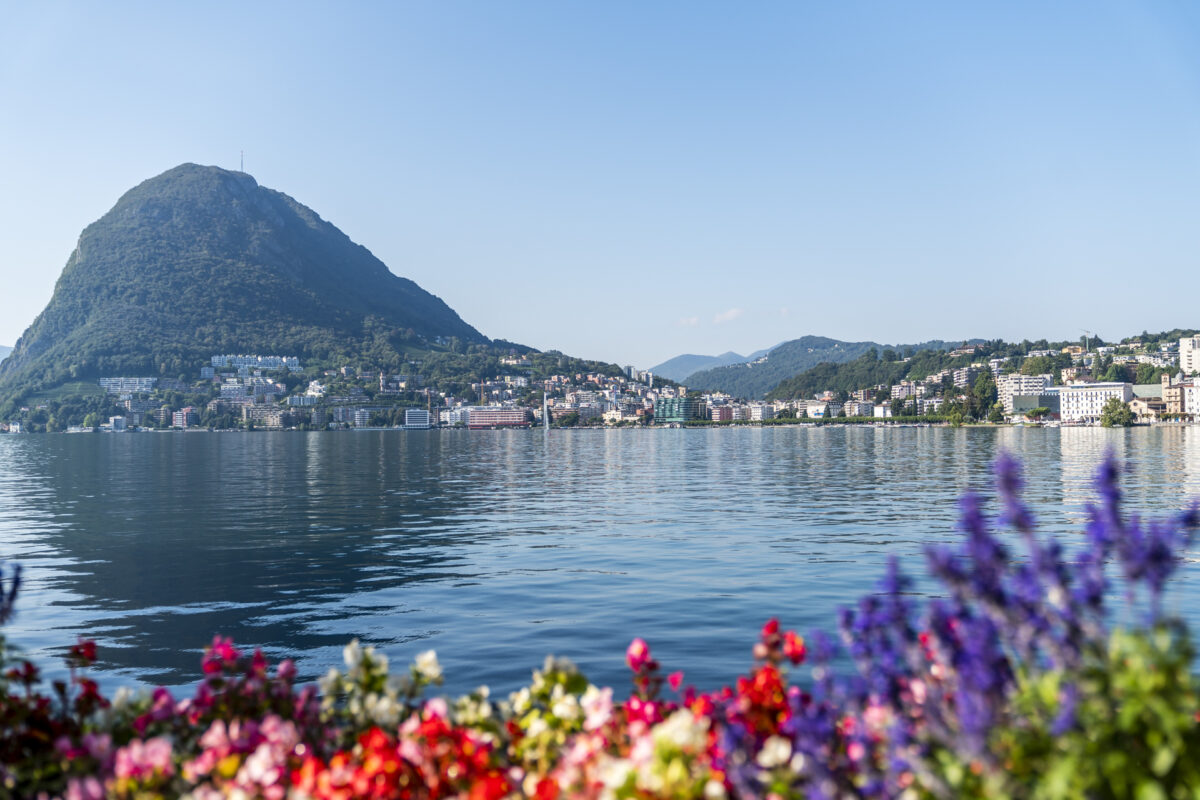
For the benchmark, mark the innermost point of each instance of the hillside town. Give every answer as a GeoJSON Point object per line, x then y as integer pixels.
{"type": "Point", "coordinates": [275, 392]}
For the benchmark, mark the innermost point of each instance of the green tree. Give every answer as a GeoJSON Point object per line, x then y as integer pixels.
{"type": "Point", "coordinates": [996, 414]}
{"type": "Point", "coordinates": [1116, 414]}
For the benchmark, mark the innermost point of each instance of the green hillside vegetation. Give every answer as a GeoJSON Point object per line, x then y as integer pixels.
{"type": "Point", "coordinates": [791, 358]}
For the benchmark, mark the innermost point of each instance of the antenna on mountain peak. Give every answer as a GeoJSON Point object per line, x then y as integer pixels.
{"type": "Point", "coordinates": [242, 167]}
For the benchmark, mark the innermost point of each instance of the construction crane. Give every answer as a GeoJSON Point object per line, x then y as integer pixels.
{"type": "Point", "coordinates": [1087, 338]}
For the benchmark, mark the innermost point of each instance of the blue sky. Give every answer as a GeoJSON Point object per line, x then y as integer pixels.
{"type": "Point", "coordinates": [630, 181]}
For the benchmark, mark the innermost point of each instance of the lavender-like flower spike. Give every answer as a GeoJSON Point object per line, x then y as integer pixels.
{"type": "Point", "coordinates": [1068, 699]}
{"type": "Point", "coordinates": [1010, 483]}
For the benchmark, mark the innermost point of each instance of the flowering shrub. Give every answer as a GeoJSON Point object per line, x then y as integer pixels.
{"type": "Point", "coordinates": [1012, 684]}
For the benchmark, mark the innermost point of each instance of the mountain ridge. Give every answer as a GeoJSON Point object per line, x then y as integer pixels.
{"type": "Point", "coordinates": [682, 366]}
{"type": "Point", "coordinates": [201, 260]}
{"type": "Point", "coordinates": [755, 380]}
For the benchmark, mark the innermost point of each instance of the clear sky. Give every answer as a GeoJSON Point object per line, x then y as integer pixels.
{"type": "Point", "coordinates": [629, 180]}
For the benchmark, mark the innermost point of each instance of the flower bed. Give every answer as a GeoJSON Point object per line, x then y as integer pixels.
{"type": "Point", "coordinates": [1012, 684]}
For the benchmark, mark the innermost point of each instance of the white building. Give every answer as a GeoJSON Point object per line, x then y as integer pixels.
{"type": "Point", "coordinates": [1191, 399]}
{"type": "Point", "coordinates": [859, 408]}
{"type": "Point", "coordinates": [127, 385]}
{"type": "Point", "coordinates": [1083, 402]}
{"type": "Point", "coordinates": [1009, 386]}
{"type": "Point", "coordinates": [416, 419]}
{"type": "Point", "coordinates": [362, 418]}
{"type": "Point", "coordinates": [1189, 355]}
{"type": "Point", "coordinates": [758, 413]}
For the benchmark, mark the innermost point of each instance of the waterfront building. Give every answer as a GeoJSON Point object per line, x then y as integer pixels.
{"type": "Point", "coordinates": [1008, 386]}
{"type": "Point", "coordinates": [759, 413]}
{"type": "Point", "coordinates": [860, 408]}
{"type": "Point", "coordinates": [1172, 394]}
{"type": "Point", "coordinates": [1083, 402]}
{"type": "Point", "coordinates": [185, 418]}
{"type": "Point", "coordinates": [1191, 399]}
{"type": "Point", "coordinates": [1048, 398]}
{"type": "Point", "coordinates": [1147, 409]}
{"type": "Point", "coordinates": [497, 417]}
{"type": "Point", "coordinates": [416, 419]}
{"type": "Point", "coordinates": [678, 409]}
{"type": "Point", "coordinates": [362, 418]}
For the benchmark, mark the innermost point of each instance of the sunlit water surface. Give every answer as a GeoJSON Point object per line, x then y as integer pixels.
{"type": "Point", "coordinates": [497, 548]}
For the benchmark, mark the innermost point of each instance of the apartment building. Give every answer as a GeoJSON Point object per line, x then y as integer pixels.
{"type": "Point", "coordinates": [1083, 402]}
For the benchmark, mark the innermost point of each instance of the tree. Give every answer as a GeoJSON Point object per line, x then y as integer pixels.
{"type": "Point", "coordinates": [898, 407]}
{"type": "Point", "coordinates": [1037, 413]}
{"type": "Point", "coordinates": [1116, 414]}
{"type": "Point", "coordinates": [997, 413]}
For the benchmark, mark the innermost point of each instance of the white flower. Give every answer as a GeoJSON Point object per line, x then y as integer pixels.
{"type": "Point", "coordinates": [682, 730]}
{"type": "Point", "coordinates": [352, 655]}
{"type": "Point", "coordinates": [614, 774]}
{"type": "Point", "coordinates": [566, 708]}
{"type": "Point", "coordinates": [122, 698]}
{"type": "Point", "coordinates": [775, 752]}
{"type": "Point", "coordinates": [537, 727]}
{"type": "Point", "coordinates": [714, 790]}
{"type": "Point", "coordinates": [427, 666]}
{"type": "Point", "coordinates": [521, 700]}
{"type": "Point", "coordinates": [328, 683]}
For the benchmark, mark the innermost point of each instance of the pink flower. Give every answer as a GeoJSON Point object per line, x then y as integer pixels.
{"type": "Point", "coordinates": [597, 708]}
{"type": "Point", "coordinates": [143, 759]}
{"type": "Point", "coordinates": [286, 671]}
{"type": "Point", "coordinates": [220, 654]}
{"type": "Point", "coordinates": [637, 655]}
{"type": "Point", "coordinates": [675, 680]}
{"type": "Point", "coordinates": [88, 788]}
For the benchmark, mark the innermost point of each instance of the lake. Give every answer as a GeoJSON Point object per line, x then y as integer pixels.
{"type": "Point", "coordinates": [499, 547]}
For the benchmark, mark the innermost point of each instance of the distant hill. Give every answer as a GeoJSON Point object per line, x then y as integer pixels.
{"type": "Point", "coordinates": [4, 351]}
{"type": "Point", "coordinates": [682, 366]}
{"type": "Point", "coordinates": [200, 260]}
{"type": "Point", "coordinates": [756, 379]}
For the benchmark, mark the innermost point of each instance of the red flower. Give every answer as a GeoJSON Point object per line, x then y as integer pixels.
{"type": "Point", "coordinates": [84, 651]}
{"type": "Point", "coordinates": [793, 647]}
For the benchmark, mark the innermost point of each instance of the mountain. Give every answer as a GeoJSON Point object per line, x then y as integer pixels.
{"type": "Point", "coordinates": [199, 261]}
{"type": "Point", "coordinates": [755, 379]}
{"type": "Point", "coordinates": [680, 367]}
{"type": "Point", "coordinates": [4, 351]}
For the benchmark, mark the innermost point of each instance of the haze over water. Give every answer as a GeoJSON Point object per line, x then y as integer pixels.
{"type": "Point", "coordinates": [497, 548]}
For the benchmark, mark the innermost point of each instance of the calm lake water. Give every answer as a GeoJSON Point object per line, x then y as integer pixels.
{"type": "Point", "coordinates": [497, 548]}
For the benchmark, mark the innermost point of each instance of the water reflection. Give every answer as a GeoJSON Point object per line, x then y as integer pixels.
{"type": "Point", "coordinates": [499, 547]}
